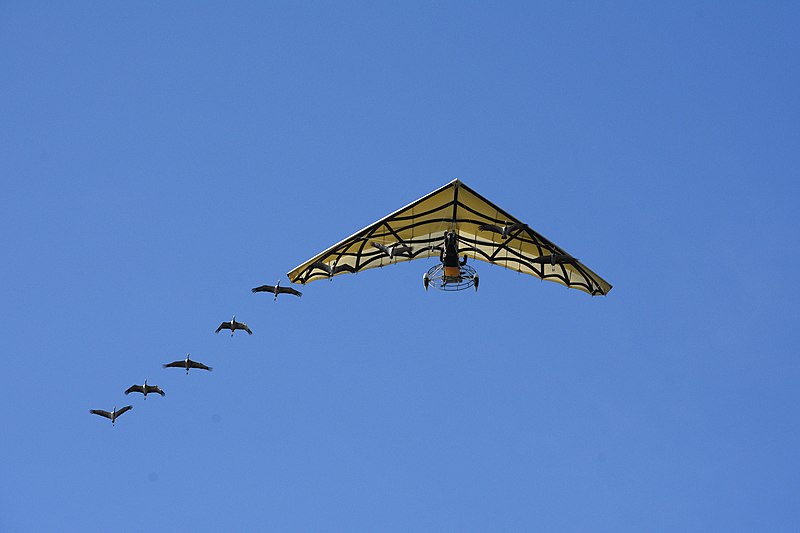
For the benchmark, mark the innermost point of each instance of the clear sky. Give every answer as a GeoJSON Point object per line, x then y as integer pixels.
{"type": "Point", "coordinates": [159, 159]}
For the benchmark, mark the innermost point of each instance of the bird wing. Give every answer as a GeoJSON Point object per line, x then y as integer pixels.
{"type": "Point", "coordinates": [404, 249]}
{"type": "Point", "coordinates": [224, 325]}
{"type": "Point", "coordinates": [344, 268]}
{"type": "Point", "coordinates": [175, 364]}
{"type": "Point", "coordinates": [380, 247]}
{"type": "Point", "coordinates": [134, 388]}
{"type": "Point", "coordinates": [156, 389]}
{"type": "Point", "coordinates": [124, 410]}
{"type": "Point", "coordinates": [423, 224]}
{"type": "Point", "coordinates": [201, 366]}
{"type": "Point", "coordinates": [100, 412]}
{"type": "Point", "coordinates": [490, 227]}
{"type": "Point", "coordinates": [289, 290]}
{"type": "Point", "coordinates": [241, 325]}
{"type": "Point", "coordinates": [263, 288]}
{"type": "Point", "coordinates": [324, 267]}
{"type": "Point", "coordinates": [554, 259]}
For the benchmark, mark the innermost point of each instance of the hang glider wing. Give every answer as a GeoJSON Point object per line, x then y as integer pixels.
{"type": "Point", "coordinates": [485, 232]}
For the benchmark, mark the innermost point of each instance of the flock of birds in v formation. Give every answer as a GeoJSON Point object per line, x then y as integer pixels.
{"type": "Point", "coordinates": [187, 363]}
{"type": "Point", "coordinates": [395, 250]}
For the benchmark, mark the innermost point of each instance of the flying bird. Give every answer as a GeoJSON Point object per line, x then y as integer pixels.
{"type": "Point", "coordinates": [113, 415]}
{"type": "Point", "coordinates": [505, 230]}
{"type": "Point", "coordinates": [394, 250]}
{"type": "Point", "coordinates": [145, 389]}
{"type": "Point", "coordinates": [333, 270]}
{"type": "Point", "coordinates": [554, 259]}
{"type": "Point", "coordinates": [187, 364]}
{"type": "Point", "coordinates": [233, 326]}
{"type": "Point", "coordinates": [276, 290]}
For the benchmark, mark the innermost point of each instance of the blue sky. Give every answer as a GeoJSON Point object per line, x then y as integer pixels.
{"type": "Point", "coordinates": [158, 161]}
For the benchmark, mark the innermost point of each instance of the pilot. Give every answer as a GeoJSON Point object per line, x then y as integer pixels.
{"type": "Point", "coordinates": [449, 256]}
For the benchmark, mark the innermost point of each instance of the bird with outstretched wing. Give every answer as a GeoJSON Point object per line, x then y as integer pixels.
{"type": "Point", "coordinates": [394, 250]}
{"type": "Point", "coordinates": [277, 289]}
{"type": "Point", "coordinates": [113, 415]}
{"type": "Point", "coordinates": [504, 231]}
{"type": "Point", "coordinates": [332, 270]}
{"type": "Point", "coordinates": [187, 364]}
{"type": "Point", "coordinates": [233, 325]}
{"type": "Point", "coordinates": [145, 389]}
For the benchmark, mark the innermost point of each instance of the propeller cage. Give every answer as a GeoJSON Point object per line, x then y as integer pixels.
{"type": "Point", "coordinates": [438, 278]}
